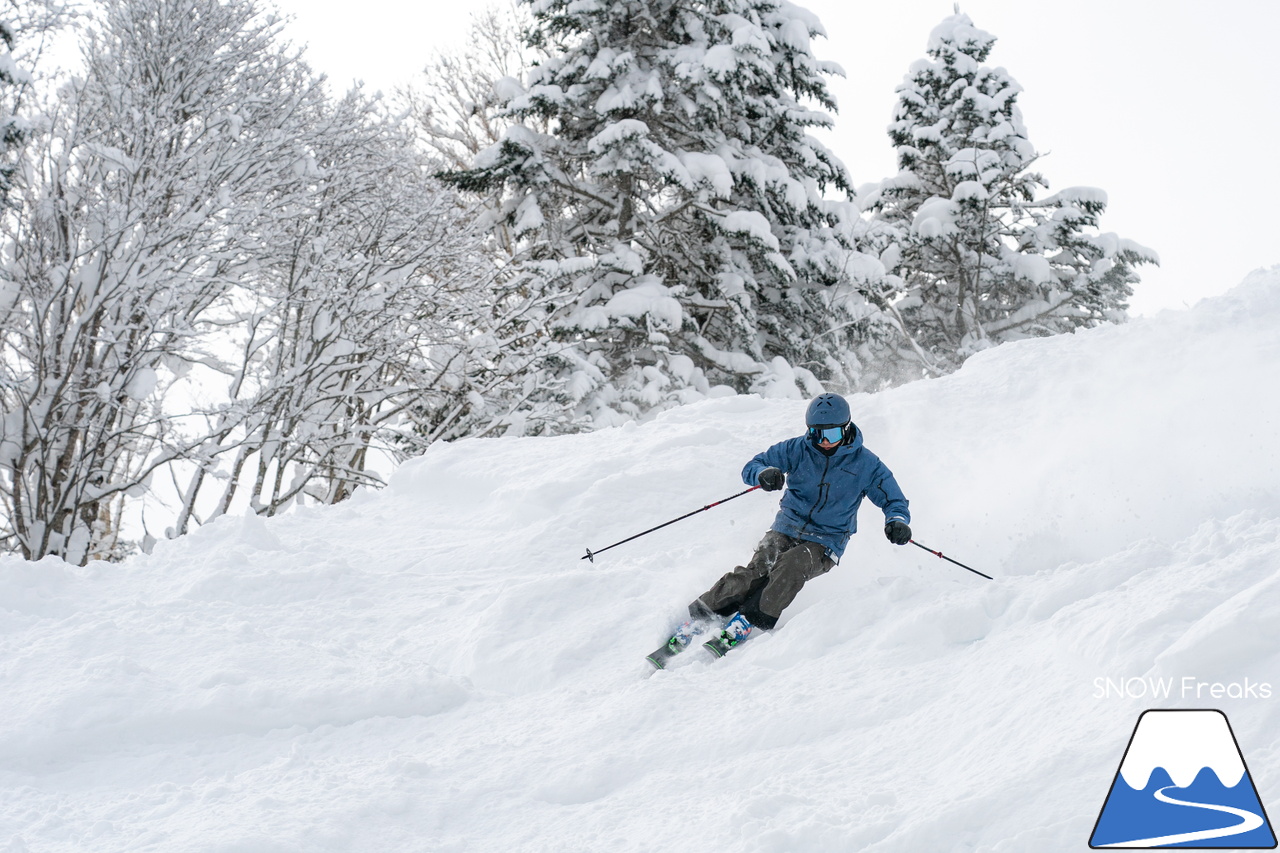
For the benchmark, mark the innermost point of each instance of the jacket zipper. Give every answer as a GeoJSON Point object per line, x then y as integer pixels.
{"type": "Point", "coordinates": [824, 492]}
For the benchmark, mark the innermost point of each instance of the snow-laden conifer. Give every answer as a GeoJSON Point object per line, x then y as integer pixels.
{"type": "Point", "coordinates": [13, 78]}
{"type": "Point", "coordinates": [26, 29]}
{"type": "Point", "coordinates": [984, 257]}
{"type": "Point", "coordinates": [671, 214]}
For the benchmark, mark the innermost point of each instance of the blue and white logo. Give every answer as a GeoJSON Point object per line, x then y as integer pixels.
{"type": "Point", "coordinates": [1183, 783]}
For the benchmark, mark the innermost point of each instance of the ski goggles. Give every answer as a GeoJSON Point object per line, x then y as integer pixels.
{"type": "Point", "coordinates": [827, 434]}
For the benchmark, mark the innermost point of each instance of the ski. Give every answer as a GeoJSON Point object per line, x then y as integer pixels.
{"type": "Point", "coordinates": [732, 635]}
{"type": "Point", "coordinates": [659, 657]}
{"type": "Point", "coordinates": [717, 651]}
{"type": "Point", "coordinates": [678, 642]}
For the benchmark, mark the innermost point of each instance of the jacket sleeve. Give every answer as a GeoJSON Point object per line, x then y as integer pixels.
{"type": "Point", "coordinates": [779, 456]}
{"type": "Point", "coordinates": [885, 493]}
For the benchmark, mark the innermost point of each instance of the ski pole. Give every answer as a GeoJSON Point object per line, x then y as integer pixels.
{"type": "Point", "coordinates": [591, 555]}
{"type": "Point", "coordinates": [949, 560]}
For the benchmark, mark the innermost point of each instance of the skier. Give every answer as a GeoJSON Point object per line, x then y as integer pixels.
{"type": "Point", "coordinates": [827, 472]}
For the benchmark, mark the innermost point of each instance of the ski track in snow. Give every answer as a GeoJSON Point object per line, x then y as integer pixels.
{"type": "Point", "coordinates": [432, 667]}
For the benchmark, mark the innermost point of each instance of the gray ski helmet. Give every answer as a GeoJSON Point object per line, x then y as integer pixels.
{"type": "Point", "coordinates": [827, 410]}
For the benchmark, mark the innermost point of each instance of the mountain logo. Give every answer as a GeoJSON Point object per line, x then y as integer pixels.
{"type": "Point", "coordinates": [1183, 783]}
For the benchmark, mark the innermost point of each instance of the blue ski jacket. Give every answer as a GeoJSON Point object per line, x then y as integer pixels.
{"type": "Point", "coordinates": [823, 492]}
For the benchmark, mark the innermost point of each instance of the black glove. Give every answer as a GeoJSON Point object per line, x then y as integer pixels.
{"type": "Point", "coordinates": [897, 532]}
{"type": "Point", "coordinates": [771, 479]}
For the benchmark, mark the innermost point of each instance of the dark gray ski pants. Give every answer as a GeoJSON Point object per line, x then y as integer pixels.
{"type": "Point", "coordinates": [770, 581]}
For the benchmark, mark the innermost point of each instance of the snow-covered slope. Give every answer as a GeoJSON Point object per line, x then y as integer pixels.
{"type": "Point", "coordinates": [433, 668]}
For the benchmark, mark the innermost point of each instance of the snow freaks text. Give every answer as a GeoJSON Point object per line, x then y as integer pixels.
{"type": "Point", "coordinates": [1186, 687]}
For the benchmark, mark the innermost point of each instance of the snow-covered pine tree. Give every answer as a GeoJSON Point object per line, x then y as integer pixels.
{"type": "Point", "coordinates": [673, 216]}
{"type": "Point", "coordinates": [13, 78]}
{"type": "Point", "coordinates": [25, 30]}
{"type": "Point", "coordinates": [980, 258]}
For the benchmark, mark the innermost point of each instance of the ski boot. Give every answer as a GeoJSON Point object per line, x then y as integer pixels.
{"type": "Point", "coordinates": [734, 634]}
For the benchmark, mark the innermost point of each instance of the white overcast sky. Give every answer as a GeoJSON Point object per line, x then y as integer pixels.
{"type": "Point", "coordinates": [1170, 106]}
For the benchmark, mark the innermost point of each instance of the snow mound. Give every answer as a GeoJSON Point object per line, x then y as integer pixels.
{"type": "Point", "coordinates": [433, 667]}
